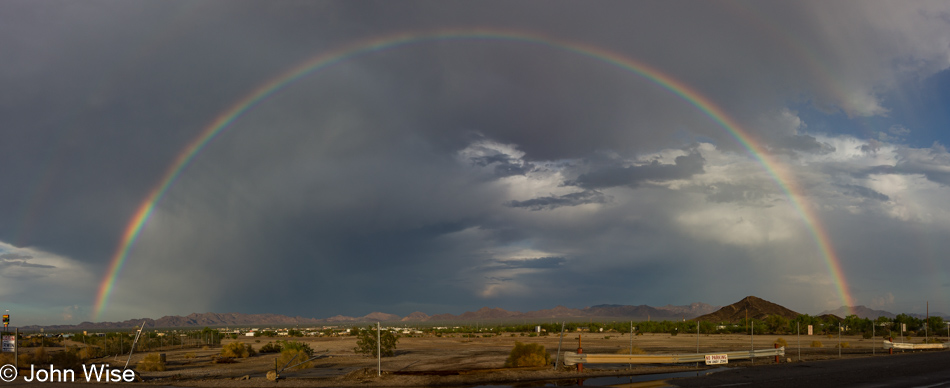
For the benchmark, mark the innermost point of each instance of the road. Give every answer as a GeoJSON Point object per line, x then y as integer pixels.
{"type": "Point", "coordinates": [919, 369]}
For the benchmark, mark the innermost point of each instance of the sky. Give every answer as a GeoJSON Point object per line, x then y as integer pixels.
{"type": "Point", "coordinates": [322, 158]}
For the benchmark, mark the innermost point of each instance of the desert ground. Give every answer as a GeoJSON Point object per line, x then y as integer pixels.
{"type": "Point", "coordinates": [453, 360]}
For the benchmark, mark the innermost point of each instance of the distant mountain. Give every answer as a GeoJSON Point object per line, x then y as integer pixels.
{"type": "Point", "coordinates": [865, 312]}
{"type": "Point", "coordinates": [860, 311]}
{"type": "Point", "coordinates": [750, 307]}
{"type": "Point", "coordinates": [627, 312]}
{"type": "Point", "coordinates": [417, 316]}
{"type": "Point", "coordinates": [692, 310]}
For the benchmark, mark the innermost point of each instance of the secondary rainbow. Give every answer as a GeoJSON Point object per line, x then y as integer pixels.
{"type": "Point", "coordinates": [325, 60]}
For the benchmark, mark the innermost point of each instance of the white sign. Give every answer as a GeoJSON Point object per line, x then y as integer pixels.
{"type": "Point", "coordinates": [715, 359]}
{"type": "Point", "coordinates": [9, 344]}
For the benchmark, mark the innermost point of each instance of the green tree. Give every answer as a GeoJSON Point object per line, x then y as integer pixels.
{"type": "Point", "coordinates": [366, 342]}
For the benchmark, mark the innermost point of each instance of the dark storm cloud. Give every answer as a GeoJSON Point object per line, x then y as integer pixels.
{"type": "Point", "coordinates": [684, 167]}
{"type": "Point", "coordinates": [504, 165]}
{"type": "Point", "coordinates": [348, 182]}
{"type": "Point", "coordinates": [553, 202]}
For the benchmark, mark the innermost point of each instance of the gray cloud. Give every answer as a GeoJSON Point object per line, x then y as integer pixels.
{"type": "Point", "coordinates": [803, 143]}
{"type": "Point", "coordinates": [861, 191]}
{"type": "Point", "coordinates": [536, 263]}
{"type": "Point", "coordinates": [504, 165]}
{"type": "Point", "coordinates": [684, 167]}
{"type": "Point", "coordinates": [556, 201]}
{"type": "Point", "coordinates": [358, 161]}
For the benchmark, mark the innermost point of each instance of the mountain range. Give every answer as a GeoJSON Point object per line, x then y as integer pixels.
{"type": "Point", "coordinates": [637, 313]}
{"type": "Point", "coordinates": [751, 307]}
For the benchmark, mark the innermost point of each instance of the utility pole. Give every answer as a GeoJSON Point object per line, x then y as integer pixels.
{"type": "Point", "coordinates": [379, 352]}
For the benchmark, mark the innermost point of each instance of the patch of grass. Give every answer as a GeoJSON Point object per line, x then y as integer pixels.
{"type": "Point", "coordinates": [151, 362]}
{"type": "Point", "coordinates": [527, 355]}
{"type": "Point", "coordinates": [816, 344]}
{"type": "Point", "coordinates": [636, 350]}
{"type": "Point", "coordinates": [190, 355]}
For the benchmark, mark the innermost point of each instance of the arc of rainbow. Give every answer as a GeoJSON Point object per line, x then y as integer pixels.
{"type": "Point", "coordinates": [328, 59]}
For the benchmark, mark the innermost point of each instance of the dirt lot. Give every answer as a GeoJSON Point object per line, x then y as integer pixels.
{"type": "Point", "coordinates": [454, 360]}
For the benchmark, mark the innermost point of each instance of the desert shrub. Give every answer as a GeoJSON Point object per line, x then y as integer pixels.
{"type": "Point", "coordinates": [606, 337]}
{"type": "Point", "coordinates": [271, 347]}
{"type": "Point", "coordinates": [39, 356]}
{"type": "Point", "coordinates": [366, 342]}
{"type": "Point", "coordinates": [290, 357]}
{"type": "Point", "coordinates": [843, 345]}
{"type": "Point", "coordinates": [224, 360]}
{"type": "Point", "coordinates": [816, 344]}
{"type": "Point", "coordinates": [297, 346]}
{"type": "Point", "coordinates": [513, 334]}
{"type": "Point", "coordinates": [190, 355]}
{"type": "Point", "coordinates": [781, 342]}
{"type": "Point", "coordinates": [67, 359]}
{"type": "Point", "coordinates": [151, 362]}
{"type": "Point", "coordinates": [527, 355]}
{"type": "Point", "coordinates": [674, 331]}
{"type": "Point", "coordinates": [237, 350]}
{"type": "Point", "coordinates": [636, 350]}
{"type": "Point", "coordinates": [90, 352]}
{"type": "Point", "coordinates": [933, 340]}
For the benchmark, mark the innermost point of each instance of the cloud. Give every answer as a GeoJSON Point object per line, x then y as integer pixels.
{"type": "Point", "coordinates": [861, 191]}
{"type": "Point", "coordinates": [534, 263]}
{"type": "Point", "coordinates": [418, 160]}
{"type": "Point", "coordinates": [632, 176]}
{"type": "Point", "coordinates": [553, 202]}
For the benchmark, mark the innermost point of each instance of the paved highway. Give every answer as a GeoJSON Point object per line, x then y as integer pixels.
{"type": "Point", "coordinates": [918, 369]}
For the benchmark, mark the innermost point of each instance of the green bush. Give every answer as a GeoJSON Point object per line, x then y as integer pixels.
{"type": "Point", "coordinates": [297, 346]}
{"type": "Point", "coordinates": [237, 350]}
{"type": "Point", "coordinates": [271, 347]}
{"type": "Point", "coordinates": [523, 355]}
{"type": "Point", "coordinates": [366, 342]}
{"type": "Point", "coordinates": [151, 362]}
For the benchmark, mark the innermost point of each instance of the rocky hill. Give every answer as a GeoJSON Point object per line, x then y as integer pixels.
{"type": "Point", "coordinates": [749, 307]}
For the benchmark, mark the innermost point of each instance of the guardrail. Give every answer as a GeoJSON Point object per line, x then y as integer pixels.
{"type": "Point", "coordinates": [901, 345]}
{"type": "Point", "coordinates": [571, 358]}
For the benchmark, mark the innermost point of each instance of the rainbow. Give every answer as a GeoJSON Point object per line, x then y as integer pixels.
{"type": "Point", "coordinates": [783, 178]}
